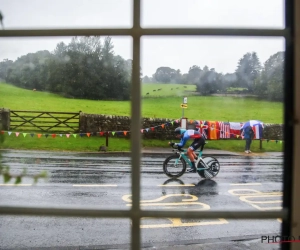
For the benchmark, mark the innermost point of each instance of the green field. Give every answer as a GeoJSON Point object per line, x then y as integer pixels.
{"type": "Point", "coordinates": [233, 109]}
{"type": "Point", "coordinates": [164, 103]}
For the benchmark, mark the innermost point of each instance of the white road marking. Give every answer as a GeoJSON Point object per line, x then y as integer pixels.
{"type": "Point", "coordinates": [245, 184]}
{"type": "Point", "coordinates": [95, 185]}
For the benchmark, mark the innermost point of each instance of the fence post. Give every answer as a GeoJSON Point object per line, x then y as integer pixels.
{"type": "Point", "coordinates": [260, 143]}
{"type": "Point", "coordinates": [5, 119]}
{"type": "Point", "coordinates": [106, 139]}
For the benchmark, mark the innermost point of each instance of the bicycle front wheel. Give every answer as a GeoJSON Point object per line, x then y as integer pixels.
{"type": "Point", "coordinates": [212, 170]}
{"type": "Point", "coordinates": [174, 167]}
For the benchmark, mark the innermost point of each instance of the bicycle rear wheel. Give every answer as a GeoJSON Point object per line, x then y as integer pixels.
{"type": "Point", "coordinates": [174, 167]}
{"type": "Point", "coordinates": [213, 167]}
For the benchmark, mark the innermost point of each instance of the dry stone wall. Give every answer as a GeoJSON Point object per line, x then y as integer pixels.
{"type": "Point", "coordinates": [91, 123]}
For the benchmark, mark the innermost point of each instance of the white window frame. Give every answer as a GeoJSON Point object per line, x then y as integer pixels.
{"type": "Point", "coordinates": [291, 189]}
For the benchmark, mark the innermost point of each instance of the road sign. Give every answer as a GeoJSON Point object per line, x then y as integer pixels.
{"type": "Point", "coordinates": [184, 106]}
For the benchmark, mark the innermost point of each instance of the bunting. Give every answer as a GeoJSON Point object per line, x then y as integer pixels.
{"type": "Point", "coordinates": [212, 130]}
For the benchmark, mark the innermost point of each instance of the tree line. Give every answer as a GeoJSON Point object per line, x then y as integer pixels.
{"type": "Point", "coordinates": [249, 77]}
{"type": "Point", "coordinates": [84, 68]}
{"type": "Point", "coordinates": [87, 68]}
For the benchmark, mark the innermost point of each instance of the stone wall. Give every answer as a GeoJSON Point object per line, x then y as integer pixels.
{"type": "Point", "coordinates": [102, 123]}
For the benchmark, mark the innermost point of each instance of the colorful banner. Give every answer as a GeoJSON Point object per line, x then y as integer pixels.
{"type": "Point", "coordinates": [211, 130]}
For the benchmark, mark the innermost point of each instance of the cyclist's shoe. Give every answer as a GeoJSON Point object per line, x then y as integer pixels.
{"type": "Point", "coordinates": [191, 170]}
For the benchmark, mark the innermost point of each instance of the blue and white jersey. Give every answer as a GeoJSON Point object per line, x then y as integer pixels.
{"type": "Point", "coordinates": [189, 134]}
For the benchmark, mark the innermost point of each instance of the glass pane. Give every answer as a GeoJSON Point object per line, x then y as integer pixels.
{"type": "Point", "coordinates": [221, 83]}
{"type": "Point", "coordinates": [217, 13]}
{"type": "Point", "coordinates": [66, 14]}
{"type": "Point", "coordinates": [59, 232]}
{"type": "Point", "coordinates": [70, 98]}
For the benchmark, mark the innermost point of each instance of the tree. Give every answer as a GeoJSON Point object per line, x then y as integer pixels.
{"type": "Point", "coordinates": [5, 67]}
{"type": "Point", "coordinates": [165, 74]}
{"type": "Point", "coordinates": [270, 84]}
{"type": "Point", "coordinates": [194, 74]}
{"type": "Point", "coordinates": [248, 70]}
{"type": "Point", "coordinates": [208, 82]}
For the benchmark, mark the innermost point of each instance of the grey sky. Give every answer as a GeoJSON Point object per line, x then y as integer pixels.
{"type": "Point", "coordinates": [221, 53]}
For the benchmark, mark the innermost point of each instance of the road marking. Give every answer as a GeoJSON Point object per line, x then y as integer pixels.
{"type": "Point", "coordinates": [245, 184]}
{"type": "Point", "coordinates": [95, 185]}
{"type": "Point", "coordinates": [176, 222]}
{"type": "Point", "coordinates": [192, 198]}
{"type": "Point", "coordinates": [7, 184]}
{"type": "Point", "coordinates": [176, 185]}
{"type": "Point", "coordinates": [187, 202]}
{"type": "Point", "coordinates": [250, 196]}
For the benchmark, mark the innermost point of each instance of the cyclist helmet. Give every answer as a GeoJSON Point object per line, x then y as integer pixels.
{"type": "Point", "coordinates": [197, 126]}
{"type": "Point", "coordinates": [179, 131]}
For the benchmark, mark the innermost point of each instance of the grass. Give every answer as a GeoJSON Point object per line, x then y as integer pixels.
{"type": "Point", "coordinates": [234, 109]}
{"type": "Point", "coordinates": [158, 104]}
{"type": "Point", "coordinates": [92, 144]}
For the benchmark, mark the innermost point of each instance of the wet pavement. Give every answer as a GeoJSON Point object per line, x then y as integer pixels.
{"type": "Point", "coordinates": [103, 180]}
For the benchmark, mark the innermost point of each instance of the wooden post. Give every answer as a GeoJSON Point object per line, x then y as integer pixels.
{"type": "Point", "coordinates": [260, 144]}
{"type": "Point", "coordinates": [106, 139]}
{"type": "Point", "coordinates": [5, 119]}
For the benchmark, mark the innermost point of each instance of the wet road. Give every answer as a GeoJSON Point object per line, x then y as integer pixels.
{"type": "Point", "coordinates": [104, 181]}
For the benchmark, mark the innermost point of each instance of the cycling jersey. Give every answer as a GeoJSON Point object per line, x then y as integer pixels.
{"type": "Point", "coordinates": [189, 134]}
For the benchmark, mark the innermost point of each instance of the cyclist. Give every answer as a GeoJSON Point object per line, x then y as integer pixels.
{"type": "Point", "coordinates": [185, 135]}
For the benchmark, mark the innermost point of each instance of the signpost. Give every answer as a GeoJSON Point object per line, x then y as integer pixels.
{"type": "Point", "coordinates": [184, 105]}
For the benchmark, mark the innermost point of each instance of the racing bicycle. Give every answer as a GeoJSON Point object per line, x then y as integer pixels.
{"type": "Point", "coordinates": [175, 165]}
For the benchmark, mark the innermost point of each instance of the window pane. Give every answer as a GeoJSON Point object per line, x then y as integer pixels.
{"type": "Point", "coordinates": [217, 13]}
{"type": "Point", "coordinates": [32, 14]}
{"type": "Point", "coordinates": [81, 87]}
{"type": "Point", "coordinates": [59, 232]}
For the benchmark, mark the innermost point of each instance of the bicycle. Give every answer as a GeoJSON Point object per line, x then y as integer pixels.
{"type": "Point", "coordinates": [174, 166]}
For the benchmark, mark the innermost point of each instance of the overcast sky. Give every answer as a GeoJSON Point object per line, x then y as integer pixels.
{"type": "Point", "coordinates": [221, 53]}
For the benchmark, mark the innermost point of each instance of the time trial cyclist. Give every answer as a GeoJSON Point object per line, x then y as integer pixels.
{"type": "Point", "coordinates": [185, 135]}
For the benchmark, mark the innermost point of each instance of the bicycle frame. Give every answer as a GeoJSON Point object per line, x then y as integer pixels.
{"type": "Point", "coordinates": [187, 160]}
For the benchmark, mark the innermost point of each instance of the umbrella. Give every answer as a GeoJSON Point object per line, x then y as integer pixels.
{"type": "Point", "coordinates": [252, 123]}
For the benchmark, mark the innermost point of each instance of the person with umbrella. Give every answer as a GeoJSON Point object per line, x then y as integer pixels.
{"type": "Point", "coordinates": [248, 133]}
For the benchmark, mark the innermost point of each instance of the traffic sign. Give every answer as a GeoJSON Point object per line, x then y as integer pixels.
{"type": "Point", "coordinates": [184, 106]}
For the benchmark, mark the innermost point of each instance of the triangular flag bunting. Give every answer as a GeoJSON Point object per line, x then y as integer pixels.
{"type": "Point", "coordinates": [81, 134]}
{"type": "Point", "coordinates": [46, 135]}
{"type": "Point", "coordinates": [39, 135]}
{"type": "Point", "coordinates": [67, 135]}
{"type": "Point", "coordinates": [88, 134]}
{"type": "Point", "coordinates": [2, 132]}
{"type": "Point", "coordinates": [147, 129]}
{"type": "Point", "coordinates": [101, 133]}
{"type": "Point", "coordinates": [75, 135]}
{"type": "Point", "coordinates": [172, 123]}
{"type": "Point", "coordinates": [32, 135]}
{"type": "Point", "coordinates": [237, 136]}
{"type": "Point", "coordinates": [280, 142]}
{"type": "Point", "coordinates": [163, 125]}
{"type": "Point", "coordinates": [176, 121]}
{"type": "Point", "coordinates": [152, 128]}
{"type": "Point", "coordinates": [17, 134]}
{"type": "Point", "coordinates": [24, 134]}
{"type": "Point", "coordinates": [53, 135]}
{"type": "Point", "coordinates": [60, 135]}
{"type": "Point", "coordinates": [142, 130]}
{"type": "Point", "coordinates": [9, 133]}
{"type": "Point", "coordinates": [113, 133]}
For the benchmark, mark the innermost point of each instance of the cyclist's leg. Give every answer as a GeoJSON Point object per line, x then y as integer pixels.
{"type": "Point", "coordinates": [191, 154]}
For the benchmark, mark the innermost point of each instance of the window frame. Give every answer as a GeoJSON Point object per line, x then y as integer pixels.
{"type": "Point", "coordinates": [135, 213]}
